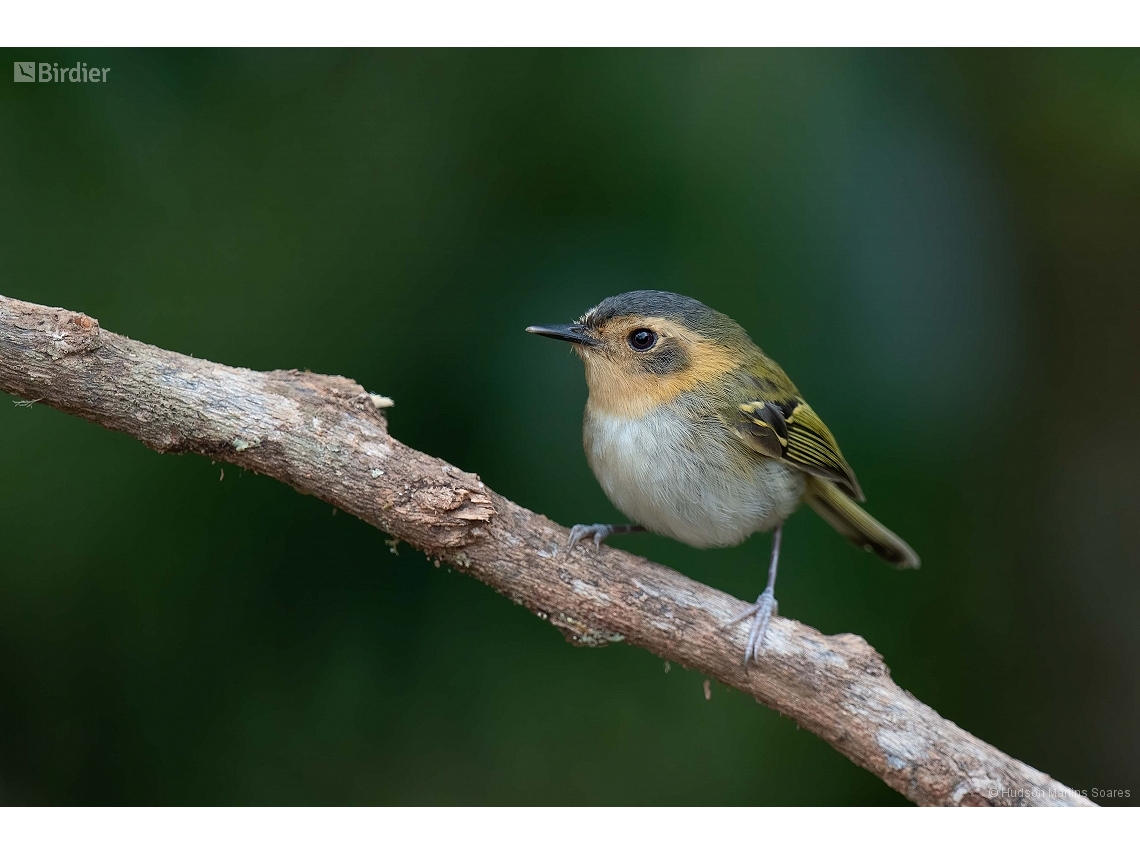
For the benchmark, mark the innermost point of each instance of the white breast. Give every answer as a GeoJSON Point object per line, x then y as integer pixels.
{"type": "Point", "coordinates": [686, 480]}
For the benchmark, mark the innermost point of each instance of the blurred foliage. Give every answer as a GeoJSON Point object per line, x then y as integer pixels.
{"type": "Point", "coordinates": [940, 247]}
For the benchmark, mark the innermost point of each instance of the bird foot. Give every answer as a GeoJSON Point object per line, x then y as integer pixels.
{"type": "Point", "coordinates": [763, 610]}
{"type": "Point", "coordinates": [598, 531]}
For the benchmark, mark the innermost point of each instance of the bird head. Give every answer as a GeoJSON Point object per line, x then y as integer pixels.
{"type": "Point", "coordinates": [644, 348]}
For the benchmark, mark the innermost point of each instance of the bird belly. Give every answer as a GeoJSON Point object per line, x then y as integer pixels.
{"type": "Point", "coordinates": [689, 480]}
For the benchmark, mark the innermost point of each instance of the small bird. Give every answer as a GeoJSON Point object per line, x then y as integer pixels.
{"type": "Point", "coordinates": [696, 434]}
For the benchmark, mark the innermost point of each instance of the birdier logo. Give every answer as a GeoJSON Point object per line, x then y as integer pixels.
{"type": "Point", "coordinates": [50, 72]}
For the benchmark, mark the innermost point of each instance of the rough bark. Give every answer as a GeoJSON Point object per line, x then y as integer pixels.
{"type": "Point", "coordinates": [328, 437]}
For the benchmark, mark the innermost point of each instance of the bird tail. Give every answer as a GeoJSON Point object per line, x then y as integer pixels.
{"type": "Point", "coordinates": [858, 526]}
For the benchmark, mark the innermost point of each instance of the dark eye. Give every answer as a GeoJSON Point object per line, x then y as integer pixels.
{"type": "Point", "coordinates": [642, 339]}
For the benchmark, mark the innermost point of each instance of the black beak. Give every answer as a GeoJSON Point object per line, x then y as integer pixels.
{"type": "Point", "coordinates": [573, 333]}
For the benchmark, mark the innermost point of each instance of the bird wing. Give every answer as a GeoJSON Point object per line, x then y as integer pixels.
{"type": "Point", "coordinates": [790, 430]}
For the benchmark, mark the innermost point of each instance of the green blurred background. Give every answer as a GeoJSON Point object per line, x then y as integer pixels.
{"type": "Point", "coordinates": [941, 248]}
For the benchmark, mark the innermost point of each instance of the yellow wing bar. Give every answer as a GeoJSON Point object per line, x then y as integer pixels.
{"type": "Point", "coordinates": [792, 431]}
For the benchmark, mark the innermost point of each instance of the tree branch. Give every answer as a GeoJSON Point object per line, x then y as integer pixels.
{"type": "Point", "coordinates": [327, 437]}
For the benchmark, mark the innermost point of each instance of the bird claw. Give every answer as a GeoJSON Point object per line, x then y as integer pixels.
{"type": "Point", "coordinates": [599, 532]}
{"type": "Point", "coordinates": [763, 610]}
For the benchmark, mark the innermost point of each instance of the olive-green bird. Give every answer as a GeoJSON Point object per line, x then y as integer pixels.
{"type": "Point", "coordinates": [694, 433]}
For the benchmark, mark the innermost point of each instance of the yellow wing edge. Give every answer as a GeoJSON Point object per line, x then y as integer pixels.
{"type": "Point", "coordinates": [792, 431]}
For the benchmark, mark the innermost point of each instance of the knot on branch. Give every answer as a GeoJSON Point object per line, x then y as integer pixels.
{"type": "Point", "coordinates": [862, 656]}
{"type": "Point", "coordinates": [56, 332]}
{"type": "Point", "coordinates": [329, 391]}
{"type": "Point", "coordinates": [452, 509]}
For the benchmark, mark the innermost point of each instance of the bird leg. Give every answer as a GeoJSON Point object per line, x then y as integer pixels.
{"type": "Point", "coordinates": [764, 608]}
{"type": "Point", "coordinates": [599, 531]}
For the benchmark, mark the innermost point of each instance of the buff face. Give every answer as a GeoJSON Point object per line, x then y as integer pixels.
{"type": "Point", "coordinates": [637, 363]}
